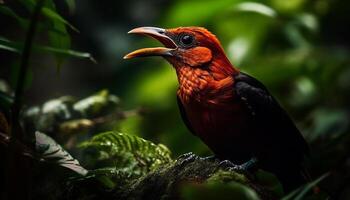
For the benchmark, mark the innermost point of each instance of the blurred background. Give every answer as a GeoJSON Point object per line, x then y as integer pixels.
{"type": "Point", "coordinates": [300, 49]}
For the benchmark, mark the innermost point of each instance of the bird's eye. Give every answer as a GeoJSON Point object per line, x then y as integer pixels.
{"type": "Point", "coordinates": [187, 40]}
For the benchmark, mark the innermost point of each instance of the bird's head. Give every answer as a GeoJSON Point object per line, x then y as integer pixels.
{"type": "Point", "coordinates": [193, 47]}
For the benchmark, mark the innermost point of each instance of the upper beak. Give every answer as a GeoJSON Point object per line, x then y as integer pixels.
{"type": "Point", "coordinates": [158, 34]}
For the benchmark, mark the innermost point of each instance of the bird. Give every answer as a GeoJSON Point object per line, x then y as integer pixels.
{"type": "Point", "coordinates": [233, 113]}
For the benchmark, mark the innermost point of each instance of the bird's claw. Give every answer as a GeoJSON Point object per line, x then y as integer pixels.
{"type": "Point", "coordinates": [243, 168]}
{"type": "Point", "coordinates": [209, 158]}
{"type": "Point", "coordinates": [187, 158]}
{"type": "Point", "coordinates": [228, 165]}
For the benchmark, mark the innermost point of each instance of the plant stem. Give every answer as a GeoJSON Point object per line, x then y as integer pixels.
{"type": "Point", "coordinates": [18, 174]}
{"type": "Point", "coordinates": [24, 65]}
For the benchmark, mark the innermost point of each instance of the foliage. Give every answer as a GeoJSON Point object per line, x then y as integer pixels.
{"type": "Point", "coordinates": [50, 151]}
{"type": "Point", "coordinates": [67, 115]}
{"type": "Point", "coordinates": [128, 152]}
{"type": "Point", "coordinates": [53, 24]}
{"type": "Point", "coordinates": [232, 190]}
{"type": "Point", "coordinates": [16, 47]}
{"type": "Point", "coordinates": [301, 193]}
{"type": "Point", "coordinates": [298, 48]}
{"type": "Point", "coordinates": [120, 159]}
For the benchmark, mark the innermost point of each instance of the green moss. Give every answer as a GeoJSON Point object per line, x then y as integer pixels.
{"type": "Point", "coordinates": [227, 176]}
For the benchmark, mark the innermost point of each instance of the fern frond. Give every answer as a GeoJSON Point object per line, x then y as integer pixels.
{"type": "Point", "coordinates": [146, 154]}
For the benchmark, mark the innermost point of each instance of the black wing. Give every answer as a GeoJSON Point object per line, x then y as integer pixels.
{"type": "Point", "coordinates": [268, 116]}
{"type": "Point", "coordinates": [184, 116]}
{"type": "Point", "coordinates": [282, 141]}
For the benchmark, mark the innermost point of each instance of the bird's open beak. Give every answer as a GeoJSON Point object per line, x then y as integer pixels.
{"type": "Point", "coordinates": [158, 34]}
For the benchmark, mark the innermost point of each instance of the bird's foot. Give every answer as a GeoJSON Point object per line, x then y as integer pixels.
{"type": "Point", "coordinates": [209, 158]}
{"type": "Point", "coordinates": [230, 166]}
{"type": "Point", "coordinates": [187, 158]}
{"type": "Point", "coordinates": [243, 168]}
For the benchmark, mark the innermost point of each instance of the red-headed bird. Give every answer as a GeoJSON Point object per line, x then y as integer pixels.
{"type": "Point", "coordinates": [230, 111]}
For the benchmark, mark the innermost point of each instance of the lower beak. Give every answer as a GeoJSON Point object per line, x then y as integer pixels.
{"type": "Point", "coordinates": [145, 52]}
{"type": "Point", "coordinates": [158, 34]}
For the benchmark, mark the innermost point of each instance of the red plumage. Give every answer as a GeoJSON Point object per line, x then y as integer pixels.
{"type": "Point", "coordinates": [230, 111]}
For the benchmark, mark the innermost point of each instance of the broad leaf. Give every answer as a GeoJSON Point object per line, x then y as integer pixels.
{"type": "Point", "coordinates": [57, 34]}
{"type": "Point", "coordinates": [49, 11]}
{"type": "Point", "coordinates": [65, 52]}
{"type": "Point", "coordinates": [56, 17]}
{"type": "Point", "coordinates": [59, 39]}
{"type": "Point", "coordinates": [9, 12]}
{"type": "Point", "coordinates": [17, 48]}
{"type": "Point", "coordinates": [51, 151]}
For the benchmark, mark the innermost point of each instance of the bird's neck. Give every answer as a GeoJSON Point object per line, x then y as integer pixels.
{"type": "Point", "coordinates": [206, 84]}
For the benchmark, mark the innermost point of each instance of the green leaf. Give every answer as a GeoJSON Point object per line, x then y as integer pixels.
{"type": "Point", "coordinates": [328, 123]}
{"type": "Point", "coordinates": [223, 191]}
{"type": "Point", "coordinates": [29, 4]}
{"type": "Point", "coordinates": [146, 153]}
{"type": "Point", "coordinates": [17, 48]}
{"type": "Point", "coordinates": [49, 11]}
{"type": "Point", "coordinates": [4, 87]}
{"type": "Point", "coordinates": [71, 5]}
{"type": "Point", "coordinates": [48, 117]}
{"type": "Point", "coordinates": [59, 38]}
{"type": "Point", "coordinates": [56, 17]}
{"type": "Point", "coordinates": [9, 48]}
{"type": "Point", "coordinates": [97, 104]}
{"type": "Point", "coordinates": [308, 187]}
{"type": "Point", "coordinates": [76, 126]}
{"type": "Point", "coordinates": [109, 177]}
{"type": "Point", "coordinates": [5, 101]}
{"type": "Point", "coordinates": [300, 193]}
{"type": "Point", "coordinates": [270, 182]}
{"type": "Point", "coordinates": [9, 45]}
{"type": "Point", "coordinates": [257, 8]}
{"type": "Point", "coordinates": [9, 12]}
{"type": "Point", "coordinates": [57, 34]}
{"type": "Point", "coordinates": [65, 52]}
{"type": "Point", "coordinates": [50, 151]}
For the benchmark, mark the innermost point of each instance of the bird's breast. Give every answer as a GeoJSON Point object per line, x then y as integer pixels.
{"type": "Point", "coordinates": [211, 120]}
{"type": "Point", "coordinates": [192, 83]}
{"type": "Point", "coordinates": [212, 109]}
